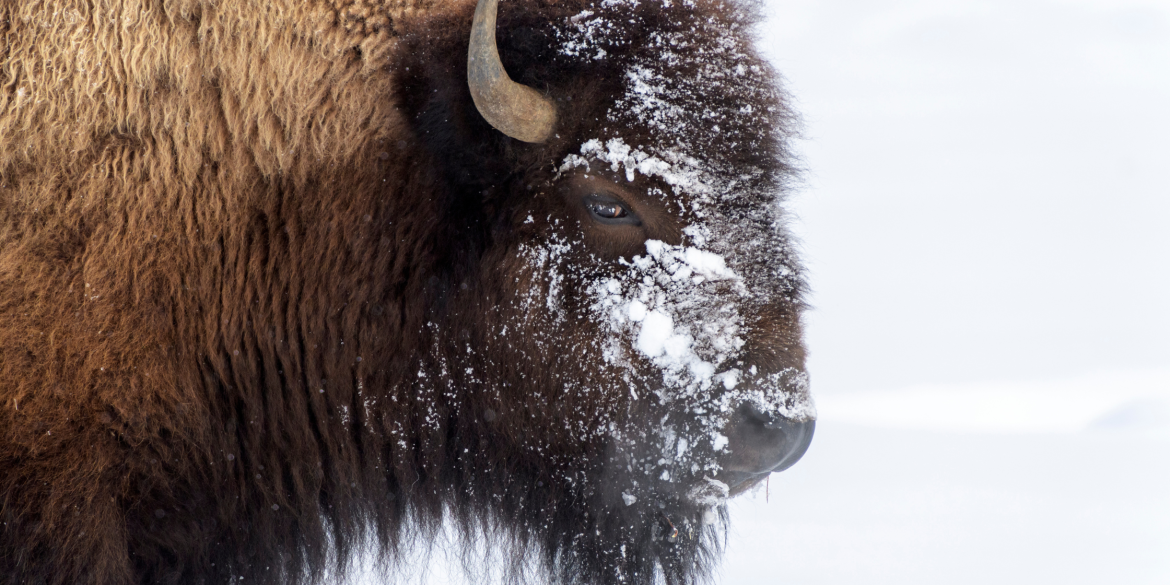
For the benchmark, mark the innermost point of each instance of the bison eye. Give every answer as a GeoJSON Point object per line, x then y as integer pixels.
{"type": "Point", "coordinates": [609, 210]}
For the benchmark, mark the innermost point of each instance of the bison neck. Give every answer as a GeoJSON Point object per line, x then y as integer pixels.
{"type": "Point", "coordinates": [221, 250]}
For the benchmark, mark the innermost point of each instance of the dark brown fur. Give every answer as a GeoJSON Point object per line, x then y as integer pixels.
{"type": "Point", "coordinates": [236, 238]}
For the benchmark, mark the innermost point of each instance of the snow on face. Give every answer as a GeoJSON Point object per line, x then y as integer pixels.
{"type": "Point", "coordinates": [683, 307]}
{"type": "Point", "coordinates": [689, 309]}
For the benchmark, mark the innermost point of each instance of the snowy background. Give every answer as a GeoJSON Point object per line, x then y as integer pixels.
{"type": "Point", "coordinates": [987, 225]}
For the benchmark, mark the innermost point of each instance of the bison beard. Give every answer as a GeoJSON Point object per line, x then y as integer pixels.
{"type": "Point", "coordinates": [272, 289]}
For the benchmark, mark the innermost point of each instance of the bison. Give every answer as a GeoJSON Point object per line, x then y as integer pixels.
{"type": "Point", "coordinates": [281, 280]}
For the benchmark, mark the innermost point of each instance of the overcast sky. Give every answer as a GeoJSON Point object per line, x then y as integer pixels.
{"type": "Point", "coordinates": [988, 194]}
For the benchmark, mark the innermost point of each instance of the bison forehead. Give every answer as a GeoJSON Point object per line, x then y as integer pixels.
{"type": "Point", "coordinates": [691, 75]}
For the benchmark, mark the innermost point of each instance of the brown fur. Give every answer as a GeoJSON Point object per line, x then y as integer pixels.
{"type": "Point", "coordinates": [232, 235]}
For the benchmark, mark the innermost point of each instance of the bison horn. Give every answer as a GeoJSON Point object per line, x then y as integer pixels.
{"type": "Point", "coordinates": [514, 109]}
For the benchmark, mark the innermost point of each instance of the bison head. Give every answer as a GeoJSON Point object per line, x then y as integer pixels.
{"type": "Point", "coordinates": [616, 336]}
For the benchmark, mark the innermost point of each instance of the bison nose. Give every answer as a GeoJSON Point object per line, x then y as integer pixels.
{"type": "Point", "coordinates": [759, 443]}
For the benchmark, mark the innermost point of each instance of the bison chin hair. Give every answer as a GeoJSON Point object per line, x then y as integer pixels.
{"type": "Point", "coordinates": [570, 541]}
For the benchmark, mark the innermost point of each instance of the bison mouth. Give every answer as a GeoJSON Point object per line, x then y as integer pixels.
{"type": "Point", "coordinates": [697, 457]}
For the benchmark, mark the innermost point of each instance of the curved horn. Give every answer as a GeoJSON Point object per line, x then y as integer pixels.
{"type": "Point", "coordinates": [514, 109]}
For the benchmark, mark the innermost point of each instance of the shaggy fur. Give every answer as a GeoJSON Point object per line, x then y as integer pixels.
{"type": "Point", "coordinates": [244, 249]}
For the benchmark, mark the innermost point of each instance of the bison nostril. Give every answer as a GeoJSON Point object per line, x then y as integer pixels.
{"type": "Point", "coordinates": [753, 415]}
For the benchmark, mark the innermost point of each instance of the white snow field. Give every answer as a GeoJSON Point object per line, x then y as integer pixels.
{"type": "Point", "coordinates": [986, 222]}
{"type": "Point", "coordinates": [887, 494]}
{"type": "Point", "coordinates": [872, 507]}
